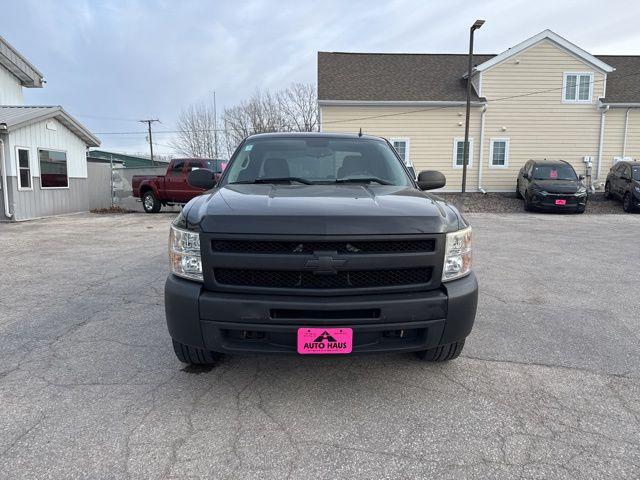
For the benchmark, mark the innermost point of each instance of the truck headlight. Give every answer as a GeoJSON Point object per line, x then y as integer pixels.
{"type": "Point", "coordinates": [457, 256]}
{"type": "Point", "coordinates": [184, 253]}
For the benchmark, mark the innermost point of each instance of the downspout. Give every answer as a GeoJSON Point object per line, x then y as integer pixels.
{"type": "Point", "coordinates": [5, 193]}
{"type": "Point", "coordinates": [484, 110]}
{"type": "Point", "coordinates": [626, 129]}
{"type": "Point", "coordinates": [604, 110]}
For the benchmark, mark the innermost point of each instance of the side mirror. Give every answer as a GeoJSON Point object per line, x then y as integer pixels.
{"type": "Point", "coordinates": [201, 178]}
{"type": "Point", "coordinates": [431, 179]}
{"type": "Point", "coordinates": [525, 175]}
{"type": "Point", "coordinates": [581, 177]}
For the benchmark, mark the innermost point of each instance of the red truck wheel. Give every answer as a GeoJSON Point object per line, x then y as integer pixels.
{"type": "Point", "coordinates": [150, 203]}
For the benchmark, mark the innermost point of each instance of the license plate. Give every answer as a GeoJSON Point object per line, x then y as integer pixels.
{"type": "Point", "coordinates": [561, 202]}
{"type": "Point", "coordinates": [313, 341]}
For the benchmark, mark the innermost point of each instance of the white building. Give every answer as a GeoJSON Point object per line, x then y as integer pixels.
{"type": "Point", "coordinates": [43, 160]}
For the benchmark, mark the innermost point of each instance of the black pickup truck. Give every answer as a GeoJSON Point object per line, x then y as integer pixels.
{"type": "Point", "coordinates": [319, 244]}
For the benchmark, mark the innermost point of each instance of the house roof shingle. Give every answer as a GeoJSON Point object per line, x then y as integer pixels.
{"type": "Point", "coordinates": [434, 77]}
{"type": "Point", "coordinates": [393, 76]}
{"type": "Point", "coordinates": [623, 84]}
{"type": "Point", "coordinates": [18, 116]}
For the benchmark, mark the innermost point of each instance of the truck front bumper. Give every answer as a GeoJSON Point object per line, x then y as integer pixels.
{"type": "Point", "coordinates": [241, 323]}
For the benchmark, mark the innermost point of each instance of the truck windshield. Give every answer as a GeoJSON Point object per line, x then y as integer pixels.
{"type": "Point", "coordinates": [636, 173]}
{"type": "Point", "coordinates": [554, 172]}
{"type": "Point", "coordinates": [216, 166]}
{"type": "Point", "coordinates": [317, 160]}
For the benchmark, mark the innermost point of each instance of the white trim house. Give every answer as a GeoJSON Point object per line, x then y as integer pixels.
{"type": "Point", "coordinates": [43, 164]}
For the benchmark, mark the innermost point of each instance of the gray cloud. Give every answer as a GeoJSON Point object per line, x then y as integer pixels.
{"type": "Point", "coordinates": [122, 61]}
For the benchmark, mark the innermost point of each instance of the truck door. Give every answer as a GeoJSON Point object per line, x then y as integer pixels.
{"type": "Point", "coordinates": [174, 181]}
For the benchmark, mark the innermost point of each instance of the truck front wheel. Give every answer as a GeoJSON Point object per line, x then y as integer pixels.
{"type": "Point", "coordinates": [150, 203]}
{"type": "Point", "coordinates": [443, 353]}
{"type": "Point", "coordinates": [195, 356]}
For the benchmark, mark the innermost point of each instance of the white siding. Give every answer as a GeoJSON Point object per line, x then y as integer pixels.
{"type": "Point", "coordinates": [10, 88]}
{"type": "Point", "coordinates": [38, 136]}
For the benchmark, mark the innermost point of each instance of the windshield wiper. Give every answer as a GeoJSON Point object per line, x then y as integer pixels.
{"type": "Point", "coordinates": [363, 180]}
{"type": "Point", "coordinates": [275, 180]}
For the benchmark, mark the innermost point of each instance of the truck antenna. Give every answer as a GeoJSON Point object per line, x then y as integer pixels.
{"type": "Point", "coordinates": [360, 132]}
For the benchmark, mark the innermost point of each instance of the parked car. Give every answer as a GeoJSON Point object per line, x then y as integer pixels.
{"type": "Point", "coordinates": [551, 185]}
{"type": "Point", "coordinates": [172, 188]}
{"type": "Point", "coordinates": [623, 183]}
{"type": "Point", "coordinates": [319, 244]}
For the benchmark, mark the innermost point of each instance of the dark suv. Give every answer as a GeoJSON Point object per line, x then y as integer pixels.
{"type": "Point", "coordinates": [319, 244]}
{"type": "Point", "coordinates": [623, 182]}
{"type": "Point", "coordinates": [551, 185]}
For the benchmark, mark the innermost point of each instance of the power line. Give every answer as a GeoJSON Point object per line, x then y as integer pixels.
{"type": "Point", "coordinates": [368, 117]}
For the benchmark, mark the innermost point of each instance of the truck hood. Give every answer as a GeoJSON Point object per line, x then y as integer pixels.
{"type": "Point", "coordinates": [321, 210]}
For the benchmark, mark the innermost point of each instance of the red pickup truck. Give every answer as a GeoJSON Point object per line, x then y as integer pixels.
{"type": "Point", "coordinates": [172, 188]}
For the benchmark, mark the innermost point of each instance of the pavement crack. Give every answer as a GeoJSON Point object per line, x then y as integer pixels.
{"type": "Point", "coordinates": [626, 375]}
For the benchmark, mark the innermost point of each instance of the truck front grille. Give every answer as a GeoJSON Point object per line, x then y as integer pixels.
{"type": "Point", "coordinates": [308, 247]}
{"type": "Point", "coordinates": [310, 280]}
{"type": "Point", "coordinates": [321, 264]}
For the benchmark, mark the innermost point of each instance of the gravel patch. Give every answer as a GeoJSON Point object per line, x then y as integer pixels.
{"type": "Point", "coordinates": [508, 203]}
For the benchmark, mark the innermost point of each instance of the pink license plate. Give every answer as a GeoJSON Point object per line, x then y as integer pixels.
{"type": "Point", "coordinates": [561, 202]}
{"type": "Point", "coordinates": [312, 341]}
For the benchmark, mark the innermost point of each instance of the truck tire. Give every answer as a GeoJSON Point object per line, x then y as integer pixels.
{"type": "Point", "coordinates": [518, 194]}
{"type": "Point", "coordinates": [443, 353]}
{"type": "Point", "coordinates": [195, 356]}
{"type": "Point", "coordinates": [527, 204]}
{"type": "Point", "coordinates": [607, 191]}
{"type": "Point", "coordinates": [150, 203]}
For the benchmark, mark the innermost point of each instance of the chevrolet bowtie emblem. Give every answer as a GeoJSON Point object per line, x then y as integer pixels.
{"type": "Point", "coordinates": [324, 264]}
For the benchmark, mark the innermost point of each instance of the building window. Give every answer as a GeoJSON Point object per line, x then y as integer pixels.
{"type": "Point", "coordinates": [578, 87]}
{"type": "Point", "coordinates": [402, 147]}
{"type": "Point", "coordinates": [458, 152]}
{"type": "Point", "coordinates": [499, 152]}
{"type": "Point", "coordinates": [24, 169]}
{"type": "Point", "coordinates": [53, 169]}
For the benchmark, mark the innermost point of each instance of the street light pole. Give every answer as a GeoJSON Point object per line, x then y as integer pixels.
{"type": "Point", "coordinates": [465, 151]}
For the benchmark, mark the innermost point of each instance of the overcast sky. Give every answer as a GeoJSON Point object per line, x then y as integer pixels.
{"type": "Point", "coordinates": [110, 63]}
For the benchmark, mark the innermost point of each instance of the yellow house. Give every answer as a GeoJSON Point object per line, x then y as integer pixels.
{"type": "Point", "coordinates": [542, 98]}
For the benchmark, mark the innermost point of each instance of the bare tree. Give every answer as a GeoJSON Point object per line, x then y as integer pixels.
{"type": "Point", "coordinates": [196, 135]}
{"type": "Point", "coordinates": [299, 107]}
{"type": "Point", "coordinates": [260, 114]}
{"type": "Point", "coordinates": [293, 109]}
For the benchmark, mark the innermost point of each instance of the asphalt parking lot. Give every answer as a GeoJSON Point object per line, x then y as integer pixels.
{"type": "Point", "coordinates": [548, 385]}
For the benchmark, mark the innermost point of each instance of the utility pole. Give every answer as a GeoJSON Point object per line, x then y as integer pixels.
{"type": "Point", "coordinates": [149, 122]}
{"type": "Point", "coordinates": [465, 150]}
{"type": "Point", "coordinates": [215, 127]}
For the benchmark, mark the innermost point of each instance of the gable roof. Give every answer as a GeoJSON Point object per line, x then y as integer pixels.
{"type": "Point", "coordinates": [19, 66]}
{"type": "Point", "coordinates": [401, 77]}
{"type": "Point", "coordinates": [553, 37]}
{"type": "Point", "coordinates": [19, 116]}
{"type": "Point", "coordinates": [393, 76]}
